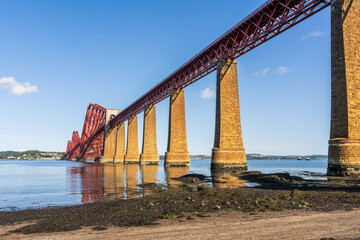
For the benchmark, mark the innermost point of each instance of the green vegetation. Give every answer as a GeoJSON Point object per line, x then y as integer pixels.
{"type": "Point", "coordinates": [31, 155]}
{"type": "Point", "coordinates": [166, 216]}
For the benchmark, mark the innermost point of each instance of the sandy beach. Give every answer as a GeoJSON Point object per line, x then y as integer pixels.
{"type": "Point", "coordinates": [289, 209]}
{"type": "Point", "coordinates": [292, 224]}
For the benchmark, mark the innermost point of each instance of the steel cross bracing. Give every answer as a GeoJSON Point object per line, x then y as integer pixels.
{"type": "Point", "coordinates": [266, 22]}
{"type": "Point", "coordinates": [91, 142]}
{"type": "Point", "coordinates": [269, 20]}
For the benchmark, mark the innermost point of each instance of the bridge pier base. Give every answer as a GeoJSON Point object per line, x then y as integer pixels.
{"type": "Point", "coordinates": [132, 147]}
{"type": "Point", "coordinates": [228, 151]}
{"type": "Point", "coordinates": [109, 138]}
{"type": "Point", "coordinates": [177, 152]}
{"type": "Point", "coordinates": [344, 143]}
{"type": "Point", "coordinates": [149, 154]}
{"type": "Point", "coordinates": [120, 143]}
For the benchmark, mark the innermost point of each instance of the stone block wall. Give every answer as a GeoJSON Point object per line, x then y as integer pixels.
{"type": "Point", "coordinates": [344, 144]}
{"type": "Point", "coordinates": [228, 148]}
{"type": "Point", "coordinates": [177, 151]}
{"type": "Point", "coordinates": [149, 154]}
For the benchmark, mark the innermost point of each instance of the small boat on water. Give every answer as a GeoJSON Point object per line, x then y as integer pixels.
{"type": "Point", "coordinates": [299, 158]}
{"type": "Point", "coordinates": [307, 159]}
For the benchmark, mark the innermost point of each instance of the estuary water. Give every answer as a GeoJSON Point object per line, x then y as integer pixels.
{"type": "Point", "coordinates": [35, 184]}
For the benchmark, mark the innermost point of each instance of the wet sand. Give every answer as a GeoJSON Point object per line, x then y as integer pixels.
{"type": "Point", "coordinates": [289, 224]}
{"type": "Point", "coordinates": [283, 207]}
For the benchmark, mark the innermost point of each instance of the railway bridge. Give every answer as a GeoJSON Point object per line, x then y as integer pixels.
{"type": "Point", "coordinates": [103, 135]}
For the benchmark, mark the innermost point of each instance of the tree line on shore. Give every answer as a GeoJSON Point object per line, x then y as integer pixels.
{"type": "Point", "coordinates": [31, 155]}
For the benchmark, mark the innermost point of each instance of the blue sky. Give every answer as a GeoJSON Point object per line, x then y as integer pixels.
{"type": "Point", "coordinates": [58, 56]}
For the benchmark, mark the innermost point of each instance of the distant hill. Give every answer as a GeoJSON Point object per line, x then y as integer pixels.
{"type": "Point", "coordinates": [256, 156]}
{"type": "Point", "coordinates": [286, 157]}
{"type": "Point", "coordinates": [41, 155]}
{"type": "Point", "coordinates": [31, 155]}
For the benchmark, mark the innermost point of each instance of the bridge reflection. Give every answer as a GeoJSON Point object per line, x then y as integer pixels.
{"type": "Point", "coordinates": [175, 172]}
{"type": "Point", "coordinates": [117, 181]}
{"type": "Point", "coordinates": [149, 174]}
{"type": "Point", "coordinates": [222, 179]}
{"type": "Point", "coordinates": [113, 181]}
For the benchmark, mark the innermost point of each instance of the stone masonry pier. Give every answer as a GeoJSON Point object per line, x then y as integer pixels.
{"type": "Point", "coordinates": [149, 153]}
{"type": "Point", "coordinates": [228, 151]}
{"type": "Point", "coordinates": [177, 152]}
{"type": "Point", "coordinates": [109, 137]}
{"type": "Point", "coordinates": [132, 147]}
{"type": "Point", "coordinates": [344, 144]}
{"type": "Point", "coordinates": [120, 143]}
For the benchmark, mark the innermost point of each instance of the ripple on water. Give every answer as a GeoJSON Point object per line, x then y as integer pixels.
{"type": "Point", "coordinates": [36, 184]}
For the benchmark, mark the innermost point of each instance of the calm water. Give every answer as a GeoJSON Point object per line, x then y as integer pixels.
{"type": "Point", "coordinates": [33, 184]}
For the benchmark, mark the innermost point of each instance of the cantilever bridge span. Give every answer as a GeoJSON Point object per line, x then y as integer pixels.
{"type": "Point", "coordinates": [90, 144]}
{"type": "Point", "coordinates": [102, 136]}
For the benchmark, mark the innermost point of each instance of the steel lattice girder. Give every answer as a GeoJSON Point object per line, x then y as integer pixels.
{"type": "Point", "coordinates": [269, 20]}
{"type": "Point", "coordinates": [73, 146]}
{"type": "Point", "coordinates": [266, 22]}
{"type": "Point", "coordinates": [94, 120]}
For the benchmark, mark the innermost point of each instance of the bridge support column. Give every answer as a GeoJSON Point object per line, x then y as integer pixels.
{"type": "Point", "coordinates": [132, 147]}
{"type": "Point", "coordinates": [344, 143]}
{"type": "Point", "coordinates": [149, 155]}
{"type": "Point", "coordinates": [120, 143]}
{"type": "Point", "coordinates": [177, 153]}
{"type": "Point", "coordinates": [109, 138]}
{"type": "Point", "coordinates": [228, 151]}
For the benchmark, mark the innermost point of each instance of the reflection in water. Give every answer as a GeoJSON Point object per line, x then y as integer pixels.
{"type": "Point", "coordinates": [226, 179]}
{"type": "Point", "coordinates": [131, 180]}
{"type": "Point", "coordinates": [92, 184]}
{"type": "Point", "coordinates": [110, 181]}
{"type": "Point", "coordinates": [30, 184]}
{"type": "Point", "coordinates": [113, 181]}
{"type": "Point", "coordinates": [148, 176]}
{"type": "Point", "coordinates": [90, 176]}
{"type": "Point", "coordinates": [175, 172]}
{"type": "Point", "coordinates": [149, 173]}
{"type": "Point", "coordinates": [119, 180]}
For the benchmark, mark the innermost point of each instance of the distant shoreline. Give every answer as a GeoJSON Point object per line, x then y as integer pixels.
{"type": "Point", "coordinates": [192, 159]}
{"type": "Point", "coordinates": [31, 155]}
{"type": "Point", "coordinates": [32, 160]}
{"type": "Point", "coordinates": [43, 155]}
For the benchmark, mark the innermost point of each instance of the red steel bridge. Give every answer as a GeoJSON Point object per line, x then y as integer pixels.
{"type": "Point", "coordinates": [266, 22]}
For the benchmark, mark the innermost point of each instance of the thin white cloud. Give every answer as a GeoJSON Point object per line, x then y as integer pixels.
{"type": "Point", "coordinates": [283, 70]}
{"type": "Point", "coordinates": [15, 136]}
{"type": "Point", "coordinates": [17, 88]}
{"type": "Point", "coordinates": [313, 34]}
{"type": "Point", "coordinates": [262, 72]}
{"type": "Point", "coordinates": [207, 93]}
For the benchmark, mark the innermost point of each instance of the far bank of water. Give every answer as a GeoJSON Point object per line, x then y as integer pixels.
{"type": "Point", "coordinates": [34, 184]}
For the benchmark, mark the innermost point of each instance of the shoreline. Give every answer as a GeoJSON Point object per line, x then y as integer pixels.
{"type": "Point", "coordinates": [189, 202]}
{"type": "Point", "coordinates": [288, 224]}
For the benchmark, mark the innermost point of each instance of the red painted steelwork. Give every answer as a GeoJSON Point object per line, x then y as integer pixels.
{"type": "Point", "coordinates": [269, 20]}
{"type": "Point", "coordinates": [266, 22]}
{"type": "Point", "coordinates": [90, 145]}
